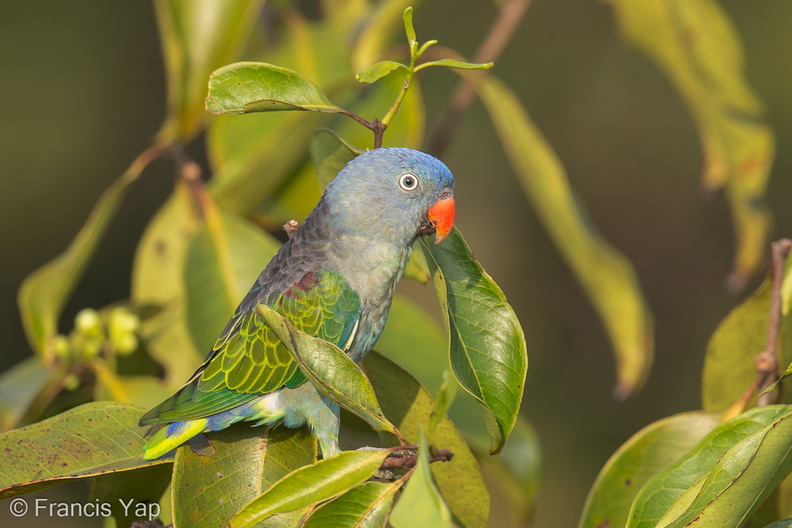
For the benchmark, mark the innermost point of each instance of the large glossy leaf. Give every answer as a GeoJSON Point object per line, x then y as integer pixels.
{"type": "Point", "coordinates": [729, 361]}
{"type": "Point", "coordinates": [420, 504]}
{"type": "Point", "coordinates": [19, 387]}
{"type": "Point", "coordinates": [330, 370]}
{"type": "Point", "coordinates": [198, 36]}
{"type": "Point", "coordinates": [223, 260]}
{"type": "Point", "coordinates": [209, 490]}
{"type": "Point", "coordinates": [90, 440]}
{"type": "Point", "coordinates": [647, 453]}
{"type": "Point", "coordinates": [245, 87]}
{"type": "Point", "coordinates": [309, 485]}
{"type": "Point", "coordinates": [487, 345]}
{"type": "Point", "coordinates": [156, 281]}
{"type": "Point", "coordinates": [698, 48]}
{"type": "Point", "coordinates": [741, 480]}
{"type": "Point", "coordinates": [653, 501]}
{"type": "Point", "coordinates": [45, 291]}
{"type": "Point", "coordinates": [364, 506]}
{"type": "Point", "coordinates": [409, 405]}
{"type": "Point", "coordinates": [607, 277]}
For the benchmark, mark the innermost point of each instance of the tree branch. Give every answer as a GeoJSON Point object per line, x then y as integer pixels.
{"type": "Point", "coordinates": [499, 35]}
{"type": "Point", "coordinates": [767, 360]}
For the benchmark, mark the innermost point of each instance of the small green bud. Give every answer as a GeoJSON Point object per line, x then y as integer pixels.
{"type": "Point", "coordinates": [88, 347]}
{"type": "Point", "coordinates": [88, 322]}
{"type": "Point", "coordinates": [126, 344]}
{"type": "Point", "coordinates": [122, 325]}
{"type": "Point", "coordinates": [71, 382]}
{"type": "Point", "coordinates": [61, 346]}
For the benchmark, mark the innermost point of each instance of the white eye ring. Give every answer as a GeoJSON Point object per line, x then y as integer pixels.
{"type": "Point", "coordinates": [408, 181]}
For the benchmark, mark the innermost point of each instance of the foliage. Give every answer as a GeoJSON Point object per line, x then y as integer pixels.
{"type": "Point", "coordinates": [726, 465]}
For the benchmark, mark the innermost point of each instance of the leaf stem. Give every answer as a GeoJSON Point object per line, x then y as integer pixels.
{"type": "Point", "coordinates": [408, 77]}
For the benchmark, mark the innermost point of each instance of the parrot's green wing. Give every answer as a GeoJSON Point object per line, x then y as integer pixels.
{"type": "Point", "coordinates": [249, 360]}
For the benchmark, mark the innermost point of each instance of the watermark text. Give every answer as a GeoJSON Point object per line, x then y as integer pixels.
{"type": "Point", "coordinates": [43, 507]}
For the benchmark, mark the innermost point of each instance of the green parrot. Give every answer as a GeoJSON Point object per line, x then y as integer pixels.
{"type": "Point", "coordinates": [335, 280]}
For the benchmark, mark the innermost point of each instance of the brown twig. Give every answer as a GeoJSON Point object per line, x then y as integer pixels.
{"type": "Point", "coordinates": [766, 361]}
{"type": "Point", "coordinates": [189, 172]}
{"type": "Point", "coordinates": [376, 126]}
{"type": "Point", "coordinates": [499, 35]}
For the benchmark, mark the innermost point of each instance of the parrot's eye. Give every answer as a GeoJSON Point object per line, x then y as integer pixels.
{"type": "Point", "coordinates": [408, 181]}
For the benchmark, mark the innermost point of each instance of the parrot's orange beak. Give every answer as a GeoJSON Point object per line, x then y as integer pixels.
{"type": "Point", "coordinates": [441, 214]}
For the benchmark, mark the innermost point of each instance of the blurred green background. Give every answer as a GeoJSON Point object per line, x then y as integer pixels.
{"type": "Point", "coordinates": [83, 91]}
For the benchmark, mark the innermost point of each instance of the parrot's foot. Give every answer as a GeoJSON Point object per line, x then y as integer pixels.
{"type": "Point", "coordinates": [405, 459]}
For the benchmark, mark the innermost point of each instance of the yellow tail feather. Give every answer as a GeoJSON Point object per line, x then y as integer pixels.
{"type": "Point", "coordinates": [161, 441]}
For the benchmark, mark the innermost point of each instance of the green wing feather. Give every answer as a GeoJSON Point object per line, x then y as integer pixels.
{"type": "Point", "coordinates": [249, 360]}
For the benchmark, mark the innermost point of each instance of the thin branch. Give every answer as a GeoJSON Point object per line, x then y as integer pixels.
{"type": "Point", "coordinates": [767, 361]}
{"type": "Point", "coordinates": [499, 35]}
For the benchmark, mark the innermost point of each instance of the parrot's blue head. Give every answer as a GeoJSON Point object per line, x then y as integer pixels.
{"type": "Point", "coordinates": [396, 193]}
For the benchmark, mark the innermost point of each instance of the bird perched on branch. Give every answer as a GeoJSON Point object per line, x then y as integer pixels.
{"type": "Point", "coordinates": [334, 279]}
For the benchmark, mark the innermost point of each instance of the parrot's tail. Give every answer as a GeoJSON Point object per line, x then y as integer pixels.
{"type": "Point", "coordinates": [171, 436]}
{"type": "Point", "coordinates": [264, 410]}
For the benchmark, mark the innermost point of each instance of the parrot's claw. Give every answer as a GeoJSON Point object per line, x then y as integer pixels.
{"type": "Point", "coordinates": [405, 459]}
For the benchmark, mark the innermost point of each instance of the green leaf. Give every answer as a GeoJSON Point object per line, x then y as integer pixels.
{"type": "Point", "coordinates": [223, 260]}
{"type": "Point", "coordinates": [312, 484]}
{"type": "Point", "coordinates": [409, 29]}
{"type": "Point", "coordinates": [364, 506]}
{"type": "Point", "coordinates": [487, 345]}
{"type": "Point", "coordinates": [132, 495]}
{"type": "Point", "coordinates": [699, 49]}
{"type": "Point", "coordinates": [740, 482]}
{"type": "Point", "coordinates": [420, 504]}
{"type": "Point", "coordinates": [246, 87]}
{"type": "Point", "coordinates": [669, 485]}
{"type": "Point", "coordinates": [19, 387]}
{"type": "Point", "coordinates": [409, 405]}
{"type": "Point", "coordinates": [92, 439]}
{"type": "Point", "coordinates": [330, 153]}
{"type": "Point", "coordinates": [156, 281]}
{"type": "Point", "coordinates": [605, 274]}
{"type": "Point", "coordinates": [209, 490]}
{"type": "Point", "coordinates": [456, 64]}
{"type": "Point", "coordinates": [197, 37]}
{"type": "Point", "coordinates": [648, 452]}
{"type": "Point", "coordinates": [729, 361]}
{"type": "Point", "coordinates": [45, 291]}
{"type": "Point", "coordinates": [378, 71]}
{"type": "Point", "coordinates": [330, 370]}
